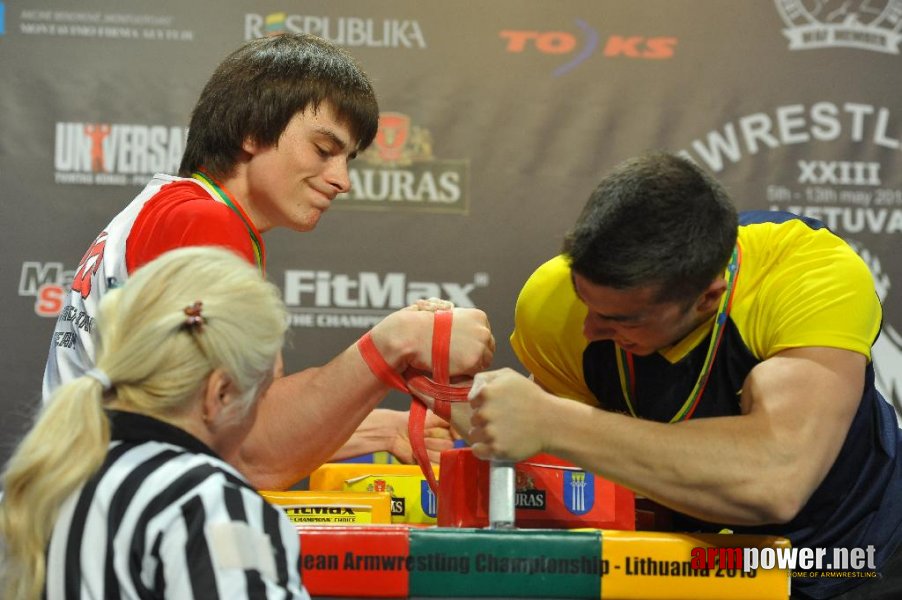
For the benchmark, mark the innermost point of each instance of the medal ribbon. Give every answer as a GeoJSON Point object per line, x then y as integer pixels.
{"type": "Point", "coordinates": [220, 194]}
{"type": "Point", "coordinates": [626, 367]}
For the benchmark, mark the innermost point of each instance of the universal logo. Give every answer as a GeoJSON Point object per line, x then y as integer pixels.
{"type": "Point", "coordinates": [399, 172]}
{"type": "Point", "coordinates": [115, 153]}
{"type": "Point", "coordinates": [863, 24]}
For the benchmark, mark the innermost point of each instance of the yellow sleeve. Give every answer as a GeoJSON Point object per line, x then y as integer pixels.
{"type": "Point", "coordinates": [813, 290]}
{"type": "Point", "coordinates": [547, 337]}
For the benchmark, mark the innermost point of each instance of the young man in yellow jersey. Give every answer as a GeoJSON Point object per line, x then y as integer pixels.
{"type": "Point", "coordinates": [717, 364]}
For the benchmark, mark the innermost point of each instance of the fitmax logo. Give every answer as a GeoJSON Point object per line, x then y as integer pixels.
{"type": "Point", "coordinates": [324, 289]}
{"type": "Point", "coordinates": [322, 510]}
{"type": "Point", "coordinates": [566, 44]}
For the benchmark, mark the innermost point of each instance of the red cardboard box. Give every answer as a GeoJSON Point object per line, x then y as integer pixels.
{"type": "Point", "coordinates": [551, 494]}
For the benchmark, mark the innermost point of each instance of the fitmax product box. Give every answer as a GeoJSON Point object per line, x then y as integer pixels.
{"type": "Point", "coordinates": [332, 508]}
{"type": "Point", "coordinates": [412, 501]}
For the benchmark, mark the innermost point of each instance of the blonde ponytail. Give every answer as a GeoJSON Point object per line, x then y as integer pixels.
{"type": "Point", "coordinates": [157, 362]}
{"type": "Point", "coordinates": [67, 444]}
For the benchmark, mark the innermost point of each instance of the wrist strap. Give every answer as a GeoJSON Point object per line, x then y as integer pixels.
{"type": "Point", "coordinates": [438, 387]}
{"type": "Point", "coordinates": [381, 369]}
{"type": "Point", "coordinates": [441, 347]}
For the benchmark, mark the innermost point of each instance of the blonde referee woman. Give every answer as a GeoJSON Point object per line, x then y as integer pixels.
{"type": "Point", "coordinates": [118, 491]}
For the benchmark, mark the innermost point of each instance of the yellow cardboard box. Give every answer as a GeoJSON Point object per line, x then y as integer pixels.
{"type": "Point", "coordinates": [411, 499]}
{"type": "Point", "coordinates": [332, 508]}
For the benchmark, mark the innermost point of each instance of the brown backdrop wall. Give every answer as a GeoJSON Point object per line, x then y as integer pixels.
{"type": "Point", "coordinates": [498, 120]}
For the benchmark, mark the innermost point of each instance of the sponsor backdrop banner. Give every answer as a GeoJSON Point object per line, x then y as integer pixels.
{"type": "Point", "coordinates": [498, 119]}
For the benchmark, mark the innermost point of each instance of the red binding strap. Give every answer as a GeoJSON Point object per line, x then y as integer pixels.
{"type": "Point", "coordinates": [381, 369]}
{"type": "Point", "coordinates": [438, 387]}
{"type": "Point", "coordinates": [441, 346]}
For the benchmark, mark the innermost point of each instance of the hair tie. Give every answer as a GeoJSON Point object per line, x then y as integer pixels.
{"type": "Point", "coordinates": [193, 317]}
{"type": "Point", "coordinates": [101, 377]}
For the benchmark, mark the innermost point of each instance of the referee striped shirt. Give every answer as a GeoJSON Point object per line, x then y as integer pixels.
{"type": "Point", "coordinates": [164, 517]}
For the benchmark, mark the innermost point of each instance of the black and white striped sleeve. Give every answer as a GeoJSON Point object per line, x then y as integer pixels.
{"type": "Point", "coordinates": [223, 541]}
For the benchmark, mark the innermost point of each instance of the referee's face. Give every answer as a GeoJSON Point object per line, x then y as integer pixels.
{"type": "Point", "coordinates": [231, 432]}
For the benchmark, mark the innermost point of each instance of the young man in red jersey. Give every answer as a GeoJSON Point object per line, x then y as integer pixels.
{"type": "Point", "coordinates": [268, 146]}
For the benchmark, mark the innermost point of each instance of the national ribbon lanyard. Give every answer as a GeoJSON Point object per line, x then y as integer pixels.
{"type": "Point", "coordinates": [626, 367]}
{"type": "Point", "coordinates": [438, 387]}
{"type": "Point", "coordinates": [220, 194]}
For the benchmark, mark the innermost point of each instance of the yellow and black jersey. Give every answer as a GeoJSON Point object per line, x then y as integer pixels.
{"type": "Point", "coordinates": [797, 285]}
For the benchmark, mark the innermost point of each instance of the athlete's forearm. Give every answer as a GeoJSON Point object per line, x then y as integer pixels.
{"type": "Point", "coordinates": [709, 468]}
{"type": "Point", "coordinates": [376, 433]}
{"type": "Point", "coordinates": [305, 418]}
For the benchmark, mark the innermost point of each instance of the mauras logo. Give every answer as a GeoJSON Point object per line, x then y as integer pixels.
{"type": "Point", "coordinates": [534, 499]}
{"type": "Point", "coordinates": [398, 506]}
{"type": "Point", "coordinates": [400, 173]}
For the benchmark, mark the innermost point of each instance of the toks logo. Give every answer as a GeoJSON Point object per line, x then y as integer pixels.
{"type": "Point", "coordinates": [863, 24]}
{"type": "Point", "coordinates": [400, 173]}
{"type": "Point", "coordinates": [580, 46]}
{"type": "Point", "coordinates": [105, 154]}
